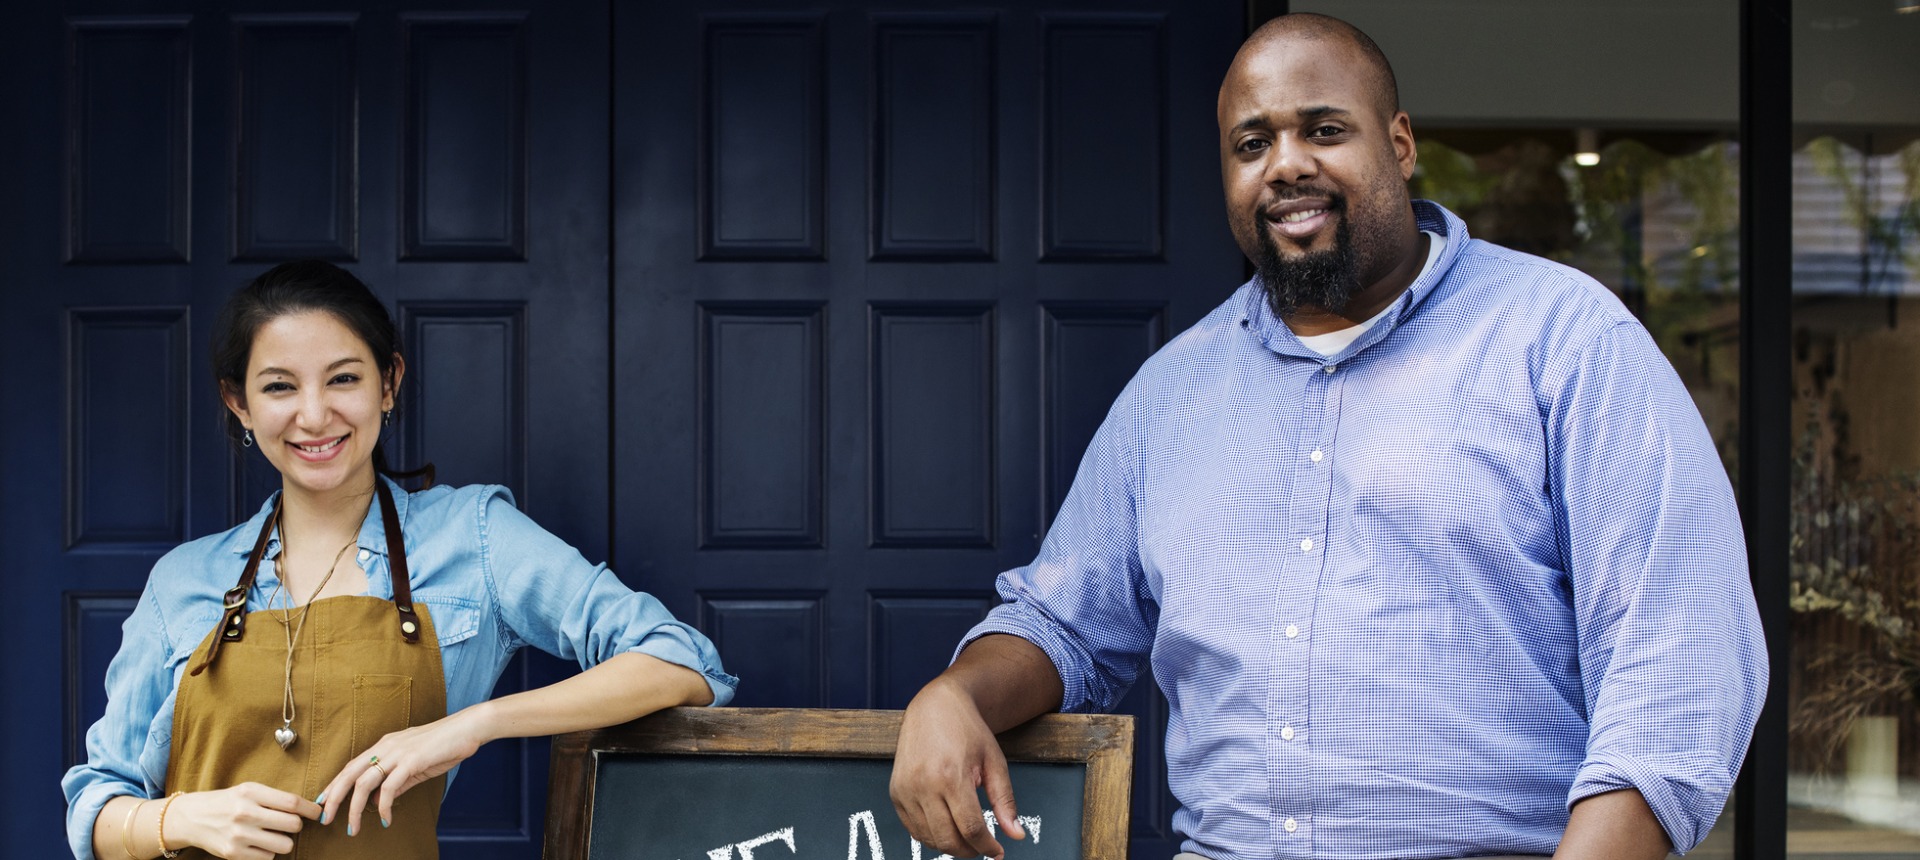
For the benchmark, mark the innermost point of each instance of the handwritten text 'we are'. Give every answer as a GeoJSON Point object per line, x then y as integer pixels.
{"type": "Point", "coordinates": [858, 824]}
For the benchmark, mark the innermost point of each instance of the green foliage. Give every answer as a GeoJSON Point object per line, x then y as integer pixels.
{"type": "Point", "coordinates": [1841, 576]}
{"type": "Point", "coordinates": [1689, 296]}
{"type": "Point", "coordinates": [1450, 178]}
{"type": "Point", "coordinates": [1888, 231]}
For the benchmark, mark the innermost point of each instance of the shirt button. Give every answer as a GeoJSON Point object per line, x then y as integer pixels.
{"type": "Point", "coordinates": [1327, 369]}
{"type": "Point", "coordinates": [1286, 734]}
{"type": "Point", "coordinates": [1291, 825]}
{"type": "Point", "coordinates": [364, 555]}
{"type": "Point", "coordinates": [1306, 545]}
{"type": "Point", "coordinates": [1316, 455]}
{"type": "Point", "coordinates": [1292, 631]}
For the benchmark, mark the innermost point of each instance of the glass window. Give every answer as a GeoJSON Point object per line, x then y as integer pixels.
{"type": "Point", "coordinates": [1854, 739]}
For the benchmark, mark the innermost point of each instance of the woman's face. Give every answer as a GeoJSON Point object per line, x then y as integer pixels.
{"type": "Point", "coordinates": [313, 398]}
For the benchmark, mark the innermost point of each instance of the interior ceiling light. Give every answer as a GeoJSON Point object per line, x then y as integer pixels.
{"type": "Point", "coordinates": [1586, 144]}
{"type": "Point", "coordinates": [1906, 7]}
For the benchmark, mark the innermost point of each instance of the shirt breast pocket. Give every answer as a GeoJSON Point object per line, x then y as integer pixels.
{"type": "Point", "coordinates": [455, 619]}
{"type": "Point", "coordinates": [192, 638]}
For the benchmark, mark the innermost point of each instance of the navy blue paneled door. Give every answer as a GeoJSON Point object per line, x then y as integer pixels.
{"type": "Point", "coordinates": [802, 316]}
{"type": "Point", "coordinates": [879, 272]}
{"type": "Point", "coordinates": [454, 155]}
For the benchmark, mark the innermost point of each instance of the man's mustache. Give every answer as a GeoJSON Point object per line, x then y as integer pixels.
{"type": "Point", "coordinates": [1335, 200]}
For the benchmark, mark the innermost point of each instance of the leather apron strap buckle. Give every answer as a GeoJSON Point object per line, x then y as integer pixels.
{"type": "Point", "coordinates": [397, 564]}
{"type": "Point", "coordinates": [233, 618]}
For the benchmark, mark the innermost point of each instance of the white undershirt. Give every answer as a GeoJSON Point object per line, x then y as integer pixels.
{"type": "Point", "coordinates": [1332, 342]}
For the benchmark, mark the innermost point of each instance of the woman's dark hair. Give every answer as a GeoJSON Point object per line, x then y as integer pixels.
{"type": "Point", "coordinates": [302, 286]}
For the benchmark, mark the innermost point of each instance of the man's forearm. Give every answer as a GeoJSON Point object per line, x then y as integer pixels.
{"type": "Point", "coordinates": [1617, 825]}
{"type": "Point", "coordinates": [1009, 679]}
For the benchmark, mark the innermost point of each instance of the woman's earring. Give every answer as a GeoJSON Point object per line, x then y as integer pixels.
{"type": "Point", "coordinates": [246, 439]}
{"type": "Point", "coordinates": [386, 418]}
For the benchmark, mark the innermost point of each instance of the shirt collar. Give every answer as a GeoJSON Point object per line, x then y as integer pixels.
{"type": "Point", "coordinates": [373, 530]}
{"type": "Point", "coordinates": [1257, 316]}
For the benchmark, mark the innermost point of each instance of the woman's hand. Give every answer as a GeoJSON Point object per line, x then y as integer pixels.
{"type": "Point", "coordinates": [249, 821]}
{"type": "Point", "coordinates": [400, 761]}
{"type": "Point", "coordinates": [624, 687]}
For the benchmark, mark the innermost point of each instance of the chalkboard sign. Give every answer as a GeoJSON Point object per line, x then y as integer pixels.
{"type": "Point", "coordinates": [787, 784]}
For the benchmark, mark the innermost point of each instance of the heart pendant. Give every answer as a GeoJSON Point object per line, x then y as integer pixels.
{"type": "Point", "coordinates": [284, 736]}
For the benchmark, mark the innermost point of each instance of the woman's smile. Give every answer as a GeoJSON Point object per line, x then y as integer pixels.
{"type": "Point", "coordinates": [317, 452]}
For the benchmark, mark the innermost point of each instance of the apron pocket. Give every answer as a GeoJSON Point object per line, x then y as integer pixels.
{"type": "Point", "coordinates": [382, 704]}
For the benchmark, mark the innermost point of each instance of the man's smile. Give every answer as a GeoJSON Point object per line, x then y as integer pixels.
{"type": "Point", "coordinates": [1300, 218]}
{"type": "Point", "coordinates": [1301, 225]}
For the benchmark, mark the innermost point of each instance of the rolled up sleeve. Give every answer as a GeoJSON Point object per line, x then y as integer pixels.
{"type": "Point", "coordinates": [138, 685]}
{"type": "Point", "coordinates": [1672, 661]}
{"type": "Point", "coordinates": [549, 596]}
{"type": "Point", "coordinates": [1083, 600]}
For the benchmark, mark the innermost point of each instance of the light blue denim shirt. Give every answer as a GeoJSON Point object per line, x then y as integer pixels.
{"type": "Point", "coordinates": [492, 579]}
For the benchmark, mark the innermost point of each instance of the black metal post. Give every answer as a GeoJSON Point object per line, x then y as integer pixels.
{"type": "Point", "coordinates": [1766, 396]}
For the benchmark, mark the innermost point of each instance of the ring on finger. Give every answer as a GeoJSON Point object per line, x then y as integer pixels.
{"type": "Point", "coordinates": [375, 761]}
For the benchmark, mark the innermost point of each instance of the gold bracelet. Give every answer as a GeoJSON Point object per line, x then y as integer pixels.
{"type": "Point", "coordinates": [126, 829]}
{"type": "Point", "coordinates": [161, 831]}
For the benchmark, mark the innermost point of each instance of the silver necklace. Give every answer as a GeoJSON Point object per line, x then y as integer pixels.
{"type": "Point", "coordinates": [285, 735]}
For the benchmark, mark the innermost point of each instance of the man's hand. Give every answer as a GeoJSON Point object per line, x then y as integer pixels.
{"type": "Point", "coordinates": [946, 752]}
{"type": "Point", "coordinates": [947, 748]}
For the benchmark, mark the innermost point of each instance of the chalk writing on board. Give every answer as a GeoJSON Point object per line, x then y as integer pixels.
{"type": "Point", "coordinates": [859, 824]}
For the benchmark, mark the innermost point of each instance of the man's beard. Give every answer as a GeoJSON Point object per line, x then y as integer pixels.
{"type": "Point", "coordinates": [1323, 279]}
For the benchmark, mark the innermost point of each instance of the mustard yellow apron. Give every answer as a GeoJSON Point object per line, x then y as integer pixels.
{"type": "Point", "coordinates": [363, 667]}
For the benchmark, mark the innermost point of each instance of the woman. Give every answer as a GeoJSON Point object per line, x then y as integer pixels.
{"type": "Point", "coordinates": [341, 645]}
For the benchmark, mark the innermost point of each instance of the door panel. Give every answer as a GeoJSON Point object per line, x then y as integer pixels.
{"type": "Point", "coordinates": [932, 368]}
{"type": "Point", "coordinates": [1104, 119]}
{"type": "Point", "coordinates": [763, 137]}
{"type": "Point", "coordinates": [125, 371]}
{"type": "Point", "coordinates": [128, 129]}
{"type": "Point", "coordinates": [871, 307]}
{"type": "Point", "coordinates": [777, 635]}
{"type": "Point", "coordinates": [761, 381]}
{"type": "Point", "coordinates": [933, 143]}
{"type": "Point", "coordinates": [464, 136]}
{"type": "Point", "coordinates": [914, 630]}
{"type": "Point", "coordinates": [454, 155]}
{"type": "Point", "coordinates": [296, 136]}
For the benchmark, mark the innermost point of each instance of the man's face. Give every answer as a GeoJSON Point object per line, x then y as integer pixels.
{"type": "Point", "coordinates": [1315, 171]}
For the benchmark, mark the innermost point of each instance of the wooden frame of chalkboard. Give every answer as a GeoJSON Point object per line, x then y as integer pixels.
{"type": "Point", "coordinates": [1101, 742]}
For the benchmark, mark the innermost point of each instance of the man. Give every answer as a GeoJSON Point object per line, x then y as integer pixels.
{"type": "Point", "coordinates": [1423, 540]}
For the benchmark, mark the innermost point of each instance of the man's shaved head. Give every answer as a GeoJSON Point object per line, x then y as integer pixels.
{"type": "Point", "coordinates": [1312, 27]}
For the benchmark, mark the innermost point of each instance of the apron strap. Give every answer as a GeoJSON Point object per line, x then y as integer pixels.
{"type": "Point", "coordinates": [397, 563]}
{"type": "Point", "coordinates": [233, 619]}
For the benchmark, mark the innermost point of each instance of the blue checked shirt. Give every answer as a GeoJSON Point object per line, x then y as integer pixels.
{"type": "Point", "coordinates": [1416, 598]}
